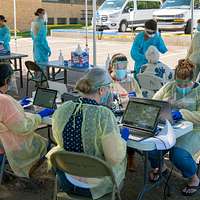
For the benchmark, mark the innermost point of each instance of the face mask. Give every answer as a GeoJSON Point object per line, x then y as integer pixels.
{"type": "Point", "coordinates": [150, 35]}
{"type": "Point", "coordinates": [198, 27]}
{"type": "Point", "coordinates": [184, 91]}
{"type": "Point", "coordinates": [120, 74]}
{"type": "Point", "coordinates": [105, 100]}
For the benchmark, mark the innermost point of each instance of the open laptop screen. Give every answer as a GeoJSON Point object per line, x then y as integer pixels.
{"type": "Point", "coordinates": [142, 116]}
{"type": "Point", "coordinates": [165, 112]}
{"type": "Point", "coordinates": [45, 98]}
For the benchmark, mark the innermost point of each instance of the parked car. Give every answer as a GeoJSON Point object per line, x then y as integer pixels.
{"type": "Point", "coordinates": [176, 15]}
{"type": "Point", "coordinates": [121, 14]}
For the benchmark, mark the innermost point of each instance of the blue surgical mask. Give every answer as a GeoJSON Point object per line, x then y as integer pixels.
{"type": "Point", "coordinates": [120, 74]}
{"type": "Point", "coordinates": [198, 27]}
{"type": "Point", "coordinates": [184, 91]}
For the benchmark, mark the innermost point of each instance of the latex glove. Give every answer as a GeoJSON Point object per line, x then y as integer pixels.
{"type": "Point", "coordinates": [25, 101]}
{"type": "Point", "coordinates": [176, 115]}
{"type": "Point", "coordinates": [46, 112]}
{"type": "Point", "coordinates": [124, 133]}
{"type": "Point", "coordinates": [132, 94]}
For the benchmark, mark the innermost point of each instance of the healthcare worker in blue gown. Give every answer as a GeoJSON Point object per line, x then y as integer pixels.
{"type": "Point", "coordinates": [41, 49]}
{"type": "Point", "coordinates": [4, 34]}
{"type": "Point", "coordinates": [149, 37]}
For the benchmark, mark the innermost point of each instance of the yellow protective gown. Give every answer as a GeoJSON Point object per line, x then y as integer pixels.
{"type": "Point", "coordinates": [124, 87]}
{"type": "Point", "coordinates": [100, 137]}
{"type": "Point", "coordinates": [22, 145]}
{"type": "Point", "coordinates": [194, 52]}
{"type": "Point", "coordinates": [190, 109]}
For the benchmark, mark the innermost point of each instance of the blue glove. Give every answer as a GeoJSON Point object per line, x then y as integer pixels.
{"type": "Point", "coordinates": [124, 133]}
{"type": "Point", "coordinates": [46, 112]}
{"type": "Point", "coordinates": [25, 101]}
{"type": "Point", "coordinates": [176, 115]}
{"type": "Point", "coordinates": [132, 94]}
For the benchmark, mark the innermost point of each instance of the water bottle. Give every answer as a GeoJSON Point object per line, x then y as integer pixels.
{"type": "Point", "coordinates": [107, 62]}
{"type": "Point", "coordinates": [61, 59]}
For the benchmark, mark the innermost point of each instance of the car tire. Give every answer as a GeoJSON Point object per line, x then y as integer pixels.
{"type": "Point", "coordinates": [188, 27]}
{"type": "Point", "coordinates": [123, 26]}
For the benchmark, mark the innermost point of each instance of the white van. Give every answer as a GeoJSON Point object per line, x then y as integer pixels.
{"type": "Point", "coordinates": [120, 14]}
{"type": "Point", "coordinates": [176, 15]}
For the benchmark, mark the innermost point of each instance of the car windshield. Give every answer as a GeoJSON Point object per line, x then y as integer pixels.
{"type": "Point", "coordinates": [112, 5]}
{"type": "Point", "coordinates": [176, 4]}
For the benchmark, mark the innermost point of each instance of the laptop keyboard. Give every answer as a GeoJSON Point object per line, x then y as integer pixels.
{"type": "Point", "coordinates": [139, 134]}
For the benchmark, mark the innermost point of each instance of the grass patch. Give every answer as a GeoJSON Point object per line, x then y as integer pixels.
{"type": "Point", "coordinates": [26, 34]}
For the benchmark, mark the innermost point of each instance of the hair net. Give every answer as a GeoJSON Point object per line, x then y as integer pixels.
{"type": "Point", "coordinates": [152, 55]}
{"type": "Point", "coordinates": [98, 77]}
{"type": "Point", "coordinates": [151, 24]}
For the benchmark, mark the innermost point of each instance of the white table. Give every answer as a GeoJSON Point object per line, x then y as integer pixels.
{"type": "Point", "coordinates": [56, 65]}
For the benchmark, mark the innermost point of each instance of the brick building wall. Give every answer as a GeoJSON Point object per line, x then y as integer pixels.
{"type": "Point", "coordinates": [26, 9]}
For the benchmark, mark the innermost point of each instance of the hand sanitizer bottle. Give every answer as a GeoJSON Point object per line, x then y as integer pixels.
{"type": "Point", "coordinates": [61, 59]}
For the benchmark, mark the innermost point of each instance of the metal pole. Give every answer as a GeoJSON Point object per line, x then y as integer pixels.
{"type": "Point", "coordinates": [15, 23]}
{"type": "Point", "coordinates": [192, 17]}
{"type": "Point", "coordinates": [86, 22]}
{"type": "Point", "coordinates": [94, 33]}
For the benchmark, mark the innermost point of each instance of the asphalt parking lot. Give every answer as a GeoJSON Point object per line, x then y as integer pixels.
{"type": "Point", "coordinates": [104, 47]}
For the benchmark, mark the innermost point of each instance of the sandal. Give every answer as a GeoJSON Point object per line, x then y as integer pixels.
{"type": "Point", "coordinates": [156, 175]}
{"type": "Point", "coordinates": [188, 187]}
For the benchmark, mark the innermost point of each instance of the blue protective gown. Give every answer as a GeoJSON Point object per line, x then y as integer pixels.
{"type": "Point", "coordinates": [41, 50]}
{"type": "Point", "coordinates": [140, 46]}
{"type": "Point", "coordinates": [5, 36]}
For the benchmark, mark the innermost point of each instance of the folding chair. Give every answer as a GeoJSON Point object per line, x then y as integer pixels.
{"type": "Point", "coordinates": [82, 165]}
{"type": "Point", "coordinates": [35, 74]}
{"type": "Point", "coordinates": [149, 81]}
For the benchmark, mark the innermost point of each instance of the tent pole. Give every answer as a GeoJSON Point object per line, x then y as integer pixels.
{"type": "Point", "coordinates": [94, 33]}
{"type": "Point", "coordinates": [15, 24]}
{"type": "Point", "coordinates": [86, 22]}
{"type": "Point", "coordinates": [192, 17]}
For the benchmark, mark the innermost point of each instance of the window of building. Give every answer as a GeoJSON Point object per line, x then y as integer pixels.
{"type": "Point", "coordinates": [61, 20]}
{"type": "Point", "coordinates": [50, 20]}
{"type": "Point", "coordinates": [73, 20]}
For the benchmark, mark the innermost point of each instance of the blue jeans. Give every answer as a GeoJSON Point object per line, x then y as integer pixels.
{"type": "Point", "coordinates": [66, 186]}
{"type": "Point", "coordinates": [182, 160]}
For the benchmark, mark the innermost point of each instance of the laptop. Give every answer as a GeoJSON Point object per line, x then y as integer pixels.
{"type": "Point", "coordinates": [141, 118]}
{"type": "Point", "coordinates": [165, 113]}
{"type": "Point", "coordinates": [69, 96]}
{"type": "Point", "coordinates": [60, 87]}
{"type": "Point", "coordinates": [45, 98]}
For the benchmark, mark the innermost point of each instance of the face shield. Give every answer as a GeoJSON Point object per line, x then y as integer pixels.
{"type": "Point", "coordinates": [120, 69]}
{"type": "Point", "coordinates": [45, 17]}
